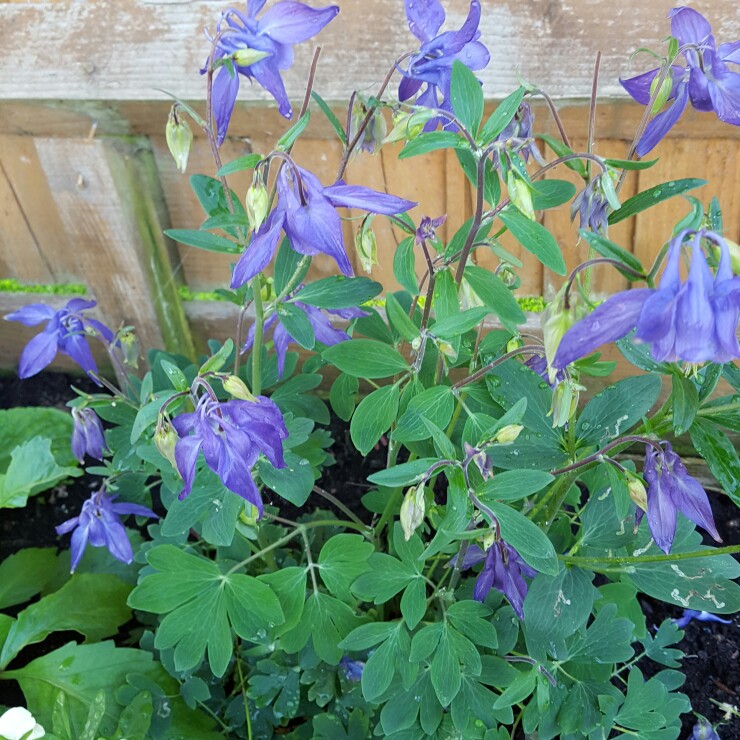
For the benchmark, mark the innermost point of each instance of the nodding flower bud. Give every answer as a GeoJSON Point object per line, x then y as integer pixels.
{"type": "Point", "coordinates": [734, 251]}
{"type": "Point", "coordinates": [663, 94]}
{"type": "Point", "coordinates": [179, 138]}
{"type": "Point", "coordinates": [520, 193]}
{"type": "Point", "coordinates": [245, 57]}
{"type": "Point", "coordinates": [366, 244]}
{"type": "Point", "coordinates": [412, 510]}
{"type": "Point", "coordinates": [508, 434]}
{"type": "Point", "coordinates": [407, 126]}
{"type": "Point", "coordinates": [446, 349]}
{"type": "Point", "coordinates": [237, 388]}
{"type": "Point", "coordinates": [165, 439]}
{"type": "Point", "coordinates": [373, 134]}
{"type": "Point", "coordinates": [637, 492]}
{"type": "Point", "coordinates": [129, 349]}
{"type": "Point", "coordinates": [559, 315]}
{"type": "Point", "coordinates": [514, 343]}
{"type": "Point", "coordinates": [564, 402]}
{"type": "Point", "coordinates": [257, 203]}
{"type": "Point", "coordinates": [249, 515]}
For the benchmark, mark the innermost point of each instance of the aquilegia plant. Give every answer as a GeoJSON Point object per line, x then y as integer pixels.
{"type": "Point", "coordinates": [484, 582]}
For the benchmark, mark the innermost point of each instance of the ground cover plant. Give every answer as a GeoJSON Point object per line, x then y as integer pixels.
{"type": "Point", "coordinates": [487, 585]}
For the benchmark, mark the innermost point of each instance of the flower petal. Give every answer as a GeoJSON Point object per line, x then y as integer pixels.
{"type": "Point", "coordinates": [267, 73]}
{"type": "Point", "coordinates": [32, 314]}
{"type": "Point", "coordinates": [76, 346]}
{"type": "Point", "coordinates": [291, 22]}
{"type": "Point", "coordinates": [661, 510]}
{"type": "Point", "coordinates": [186, 456]}
{"type": "Point", "coordinates": [425, 18]}
{"type": "Point", "coordinates": [689, 26]}
{"type": "Point", "coordinates": [260, 251]}
{"type": "Point", "coordinates": [664, 122]}
{"type": "Point", "coordinates": [639, 87]}
{"type": "Point", "coordinates": [729, 52]}
{"type": "Point", "coordinates": [37, 354]}
{"type": "Point", "coordinates": [78, 545]}
{"type": "Point", "coordinates": [724, 91]}
{"type": "Point", "coordinates": [223, 96]}
{"type": "Point", "coordinates": [366, 199]}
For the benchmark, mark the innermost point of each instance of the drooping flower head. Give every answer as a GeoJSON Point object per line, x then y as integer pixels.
{"type": "Point", "coordinates": [231, 434]}
{"type": "Point", "coordinates": [689, 615]}
{"type": "Point", "coordinates": [306, 212]}
{"type": "Point", "coordinates": [321, 324]}
{"type": "Point", "coordinates": [519, 136]}
{"type": "Point", "coordinates": [87, 434]}
{"type": "Point", "coordinates": [670, 489]}
{"type": "Point", "coordinates": [432, 64]}
{"type": "Point", "coordinates": [590, 205]}
{"type": "Point", "coordinates": [99, 524]}
{"type": "Point", "coordinates": [694, 321]}
{"type": "Point", "coordinates": [703, 730]}
{"type": "Point", "coordinates": [706, 80]}
{"type": "Point", "coordinates": [67, 331]}
{"type": "Point", "coordinates": [260, 49]}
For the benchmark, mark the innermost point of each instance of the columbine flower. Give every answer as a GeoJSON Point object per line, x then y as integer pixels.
{"type": "Point", "coordinates": [306, 212]}
{"type": "Point", "coordinates": [503, 570]}
{"type": "Point", "coordinates": [518, 136]}
{"type": "Point", "coordinates": [260, 49]}
{"type": "Point", "coordinates": [352, 669]}
{"type": "Point", "coordinates": [66, 332]}
{"type": "Point", "coordinates": [693, 321]}
{"type": "Point", "coordinates": [671, 489]}
{"type": "Point", "coordinates": [87, 434]}
{"type": "Point", "coordinates": [99, 524]}
{"type": "Point", "coordinates": [706, 79]}
{"type": "Point", "coordinates": [590, 206]}
{"type": "Point", "coordinates": [231, 434]}
{"type": "Point", "coordinates": [433, 62]}
{"type": "Point", "coordinates": [19, 724]}
{"type": "Point", "coordinates": [689, 615]}
{"type": "Point", "coordinates": [703, 730]}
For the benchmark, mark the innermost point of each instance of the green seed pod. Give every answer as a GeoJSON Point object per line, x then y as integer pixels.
{"type": "Point", "coordinates": [179, 138]}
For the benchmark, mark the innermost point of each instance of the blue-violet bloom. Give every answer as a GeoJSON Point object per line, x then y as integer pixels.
{"type": "Point", "coordinates": [87, 434]}
{"type": "Point", "coordinates": [503, 570]}
{"type": "Point", "coordinates": [694, 321]}
{"type": "Point", "coordinates": [706, 80]}
{"type": "Point", "coordinates": [99, 524]}
{"type": "Point", "coordinates": [590, 205]}
{"type": "Point", "coordinates": [352, 669]}
{"type": "Point", "coordinates": [306, 212]}
{"type": "Point", "coordinates": [671, 489]}
{"type": "Point", "coordinates": [520, 137]}
{"type": "Point", "coordinates": [323, 330]}
{"type": "Point", "coordinates": [231, 434]}
{"type": "Point", "coordinates": [66, 331]}
{"type": "Point", "coordinates": [432, 64]}
{"type": "Point", "coordinates": [689, 615]}
{"type": "Point", "coordinates": [703, 730]}
{"type": "Point", "coordinates": [260, 49]}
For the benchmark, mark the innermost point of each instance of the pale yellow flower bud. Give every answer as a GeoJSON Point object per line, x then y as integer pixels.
{"type": "Point", "coordinates": [412, 510]}
{"type": "Point", "coordinates": [366, 245]}
{"type": "Point", "coordinates": [179, 138]}
{"type": "Point", "coordinates": [637, 492]}
{"type": "Point", "coordinates": [508, 434]}
{"type": "Point", "coordinates": [246, 56]}
{"type": "Point", "coordinates": [257, 204]}
{"type": "Point", "coordinates": [236, 387]}
{"type": "Point", "coordinates": [165, 439]}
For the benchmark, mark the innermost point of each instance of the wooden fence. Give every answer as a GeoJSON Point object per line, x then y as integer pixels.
{"type": "Point", "coordinates": [87, 185]}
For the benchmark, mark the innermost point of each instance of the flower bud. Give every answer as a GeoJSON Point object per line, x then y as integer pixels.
{"type": "Point", "coordinates": [520, 193]}
{"type": "Point", "coordinates": [469, 298]}
{"type": "Point", "coordinates": [246, 56]}
{"type": "Point", "coordinates": [663, 94]}
{"type": "Point", "coordinates": [564, 402]}
{"type": "Point", "coordinates": [557, 318]}
{"type": "Point", "coordinates": [446, 349]}
{"type": "Point", "coordinates": [508, 434]}
{"type": "Point", "coordinates": [637, 492]}
{"type": "Point", "coordinates": [488, 539]}
{"type": "Point", "coordinates": [236, 387]}
{"type": "Point", "coordinates": [129, 349]}
{"type": "Point", "coordinates": [416, 344]}
{"type": "Point", "coordinates": [366, 245]}
{"type": "Point", "coordinates": [165, 439]}
{"type": "Point", "coordinates": [249, 515]}
{"type": "Point", "coordinates": [179, 138]}
{"type": "Point", "coordinates": [412, 510]}
{"type": "Point", "coordinates": [257, 203]}
{"type": "Point", "coordinates": [373, 134]}
{"type": "Point", "coordinates": [514, 343]}
{"type": "Point", "coordinates": [407, 126]}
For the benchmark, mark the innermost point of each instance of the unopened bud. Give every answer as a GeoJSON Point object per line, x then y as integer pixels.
{"type": "Point", "coordinates": [165, 439]}
{"type": "Point", "coordinates": [557, 318]}
{"type": "Point", "coordinates": [257, 204]}
{"type": "Point", "coordinates": [129, 349]}
{"type": "Point", "coordinates": [663, 94]}
{"type": "Point", "coordinates": [508, 434]}
{"type": "Point", "coordinates": [416, 344]}
{"type": "Point", "coordinates": [179, 138]}
{"type": "Point", "coordinates": [488, 539]}
{"type": "Point", "coordinates": [637, 492]}
{"type": "Point", "coordinates": [469, 298]}
{"type": "Point", "coordinates": [366, 245]}
{"type": "Point", "coordinates": [407, 126]}
{"type": "Point", "coordinates": [446, 349]}
{"type": "Point", "coordinates": [734, 251]}
{"type": "Point", "coordinates": [236, 387]}
{"type": "Point", "coordinates": [374, 132]}
{"type": "Point", "coordinates": [520, 193]}
{"type": "Point", "coordinates": [246, 57]}
{"type": "Point", "coordinates": [412, 510]}
{"type": "Point", "coordinates": [514, 343]}
{"type": "Point", "coordinates": [249, 515]}
{"type": "Point", "coordinates": [564, 402]}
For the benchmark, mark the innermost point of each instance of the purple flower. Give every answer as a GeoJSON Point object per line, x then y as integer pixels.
{"type": "Point", "coordinates": [503, 570]}
{"type": "Point", "coordinates": [671, 489]}
{"type": "Point", "coordinates": [703, 730]}
{"type": "Point", "coordinates": [519, 136]}
{"type": "Point", "coordinates": [693, 322]}
{"type": "Point", "coordinates": [538, 364]}
{"type": "Point", "coordinates": [427, 230]}
{"type": "Point", "coordinates": [352, 669]}
{"type": "Point", "coordinates": [590, 205]}
{"type": "Point", "coordinates": [87, 434]}
{"type": "Point", "coordinates": [323, 330]}
{"type": "Point", "coordinates": [260, 49]}
{"type": "Point", "coordinates": [689, 615]}
{"type": "Point", "coordinates": [706, 80]}
{"type": "Point", "coordinates": [306, 212]}
{"type": "Point", "coordinates": [432, 64]}
{"type": "Point", "coordinates": [99, 524]}
{"type": "Point", "coordinates": [231, 434]}
{"type": "Point", "coordinates": [66, 331]}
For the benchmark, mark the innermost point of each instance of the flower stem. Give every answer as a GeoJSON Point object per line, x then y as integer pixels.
{"type": "Point", "coordinates": [259, 324]}
{"type": "Point", "coordinates": [586, 560]}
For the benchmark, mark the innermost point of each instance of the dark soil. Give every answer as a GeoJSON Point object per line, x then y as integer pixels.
{"type": "Point", "coordinates": [712, 649]}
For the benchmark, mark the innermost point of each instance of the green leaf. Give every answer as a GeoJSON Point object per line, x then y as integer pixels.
{"type": "Point", "coordinates": [433, 405]}
{"type": "Point", "coordinates": [563, 150]}
{"type": "Point", "coordinates": [454, 326]}
{"type": "Point", "coordinates": [343, 395]}
{"type": "Point", "coordinates": [338, 292]}
{"type": "Point", "coordinates": [399, 319]}
{"type": "Point", "coordinates": [202, 606]}
{"type": "Point", "coordinates": [211, 196]}
{"type": "Point", "coordinates": [466, 96]}
{"type": "Point", "coordinates": [342, 559]}
{"type": "Point", "coordinates": [298, 325]}
{"type": "Point", "coordinates": [294, 482]}
{"type": "Point", "coordinates": [366, 358]}
{"type": "Point", "coordinates": [613, 251]}
{"type": "Point", "coordinates": [607, 640]}
{"type": "Point", "coordinates": [616, 409]}
{"type": "Point", "coordinates": [403, 474]}
{"type": "Point", "coordinates": [286, 265]}
{"type": "Point", "coordinates": [386, 577]}
{"type": "Point", "coordinates": [25, 574]}
{"type": "Point", "coordinates": [93, 604]}
{"type": "Point", "coordinates": [519, 689]}
{"type": "Point", "coordinates": [291, 135]}
{"type": "Point", "coordinates": [535, 238]}
{"type": "Point", "coordinates": [329, 113]}
{"type": "Point", "coordinates": [473, 619]}
{"type": "Point", "coordinates": [32, 470]}
{"type": "Point", "coordinates": [630, 164]}
{"type": "Point", "coordinates": [404, 265]}
{"type": "Point", "coordinates": [430, 142]}
{"type": "Point", "coordinates": [215, 362]}
{"type": "Point", "coordinates": [551, 194]}
{"type": "Point", "coordinates": [374, 416]}
{"type": "Point", "coordinates": [720, 454]}
{"type": "Point", "coordinates": [289, 585]}
{"type": "Point", "coordinates": [513, 485]}
{"type": "Point", "coordinates": [24, 423]}
{"type": "Point", "coordinates": [640, 710]}
{"type": "Point", "coordinates": [445, 673]}
{"type": "Point", "coordinates": [203, 240]}
{"type": "Point", "coordinates": [685, 403]}
{"type": "Point", "coordinates": [148, 414]}
{"type": "Point", "coordinates": [653, 196]}
{"type": "Point", "coordinates": [491, 184]}
{"type": "Point", "coordinates": [247, 162]}
{"type": "Point", "coordinates": [501, 116]}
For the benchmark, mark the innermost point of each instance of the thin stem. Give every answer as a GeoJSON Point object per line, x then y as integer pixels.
{"type": "Point", "coordinates": [239, 333]}
{"type": "Point", "coordinates": [477, 219]}
{"type": "Point", "coordinates": [597, 456]}
{"type": "Point", "coordinates": [586, 560]}
{"type": "Point", "coordinates": [259, 325]}
{"type": "Point", "coordinates": [243, 689]}
{"type": "Point", "coordinates": [342, 507]}
{"type": "Point", "coordinates": [478, 374]}
{"type": "Point", "coordinates": [558, 121]}
{"type": "Point", "coordinates": [309, 83]}
{"type": "Point", "coordinates": [592, 111]}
